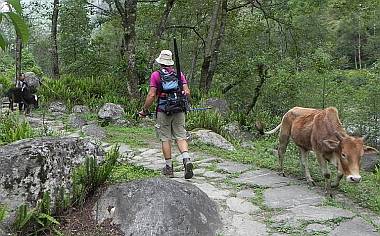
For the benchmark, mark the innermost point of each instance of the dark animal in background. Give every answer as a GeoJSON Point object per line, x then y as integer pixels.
{"type": "Point", "coordinates": [24, 97]}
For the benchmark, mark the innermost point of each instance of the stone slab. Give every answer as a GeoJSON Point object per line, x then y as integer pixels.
{"type": "Point", "coordinates": [354, 227]}
{"type": "Point", "coordinates": [241, 206]}
{"type": "Point", "coordinates": [212, 174]}
{"type": "Point", "coordinates": [244, 225]}
{"type": "Point", "coordinates": [315, 228]}
{"type": "Point", "coordinates": [314, 213]}
{"type": "Point", "coordinates": [291, 196]}
{"type": "Point", "coordinates": [233, 167]}
{"type": "Point", "coordinates": [245, 193]}
{"type": "Point", "coordinates": [262, 178]}
{"type": "Point", "coordinates": [212, 191]}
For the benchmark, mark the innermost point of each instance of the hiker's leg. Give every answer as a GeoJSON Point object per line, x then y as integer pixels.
{"type": "Point", "coordinates": [163, 130]}
{"type": "Point", "coordinates": [179, 133]}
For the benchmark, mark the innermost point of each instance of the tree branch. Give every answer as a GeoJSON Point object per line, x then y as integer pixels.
{"type": "Point", "coordinates": [188, 27]}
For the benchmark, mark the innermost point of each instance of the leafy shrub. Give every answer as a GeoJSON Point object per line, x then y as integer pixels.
{"type": "Point", "coordinates": [91, 175]}
{"type": "Point", "coordinates": [36, 221]}
{"type": "Point", "coordinates": [13, 128]}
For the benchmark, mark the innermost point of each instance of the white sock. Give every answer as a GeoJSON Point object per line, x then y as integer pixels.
{"type": "Point", "coordinates": [168, 162]}
{"type": "Point", "coordinates": [185, 155]}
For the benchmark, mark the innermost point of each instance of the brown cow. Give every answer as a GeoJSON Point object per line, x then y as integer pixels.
{"type": "Point", "coordinates": [321, 131]}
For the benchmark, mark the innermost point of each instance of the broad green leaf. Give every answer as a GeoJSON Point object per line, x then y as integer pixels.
{"type": "Point", "coordinates": [20, 26]}
{"type": "Point", "coordinates": [16, 5]}
{"type": "Point", "coordinates": [3, 44]}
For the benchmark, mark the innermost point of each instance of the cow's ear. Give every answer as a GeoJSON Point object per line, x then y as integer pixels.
{"type": "Point", "coordinates": [331, 144]}
{"type": "Point", "coordinates": [369, 150]}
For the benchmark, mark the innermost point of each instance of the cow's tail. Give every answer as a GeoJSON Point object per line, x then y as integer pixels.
{"type": "Point", "coordinates": [274, 130]}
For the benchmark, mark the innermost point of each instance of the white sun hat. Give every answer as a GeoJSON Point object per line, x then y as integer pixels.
{"type": "Point", "coordinates": [165, 58]}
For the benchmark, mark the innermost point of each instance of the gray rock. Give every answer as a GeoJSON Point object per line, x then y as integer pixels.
{"type": "Point", "coordinates": [32, 80]}
{"type": "Point", "coordinates": [219, 105]}
{"type": "Point", "coordinates": [31, 167]}
{"type": "Point", "coordinates": [111, 112]}
{"type": "Point", "coordinates": [241, 206]}
{"type": "Point", "coordinates": [212, 191]}
{"type": "Point", "coordinates": [370, 161]}
{"type": "Point", "coordinates": [313, 213]}
{"type": "Point", "coordinates": [291, 196]}
{"type": "Point", "coordinates": [158, 206]}
{"type": "Point", "coordinates": [57, 107]}
{"type": "Point", "coordinates": [245, 226]}
{"type": "Point", "coordinates": [76, 121]}
{"type": "Point", "coordinates": [315, 228]}
{"type": "Point", "coordinates": [80, 109]}
{"type": "Point", "coordinates": [245, 193]}
{"type": "Point", "coordinates": [354, 227]}
{"type": "Point", "coordinates": [94, 131]}
{"type": "Point", "coordinates": [209, 137]}
{"type": "Point", "coordinates": [234, 130]}
{"type": "Point", "coordinates": [233, 167]}
{"type": "Point", "coordinates": [262, 178]}
{"type": "Point", "coordinates": [212, 174]}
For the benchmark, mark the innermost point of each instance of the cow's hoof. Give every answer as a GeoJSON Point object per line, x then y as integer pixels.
{"type": "Point", "coordinates": [282, 174]}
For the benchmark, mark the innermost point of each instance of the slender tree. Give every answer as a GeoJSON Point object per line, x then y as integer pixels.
{"type": "Point", "coordinates": [54, 49]}
{"type": "Point", "coordinates": [127, 12]}
{"type": "Point", "coordinates": [213, 42]}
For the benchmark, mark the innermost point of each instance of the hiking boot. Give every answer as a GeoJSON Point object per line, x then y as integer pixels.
{"type": "Point", "coordinates": [188, 168]}
{"type": "Point", "coordinates": [168, 171]}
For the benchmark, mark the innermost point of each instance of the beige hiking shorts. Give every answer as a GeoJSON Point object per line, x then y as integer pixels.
{"type": "Point", "coordinates": [170, 127]}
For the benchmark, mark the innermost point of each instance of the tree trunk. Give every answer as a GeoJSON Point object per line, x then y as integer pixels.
{"type": "Point", "coordinates": [54, 49]}
{"type": "Point", "coordinates": [18, 55]}
{"type": "Point", "coordinates": [128, 16]}
{"type": "Point", "coordinates": [159, 31]}
{"type": "Point", "coordinates": [263, 74]}
{"type": "Point", "coordinates": [213, 42]}
{"type": "Point", "coordinates": [193, 62]}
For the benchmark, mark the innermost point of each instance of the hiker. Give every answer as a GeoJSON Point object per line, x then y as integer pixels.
{"type": "Point", "coordinates": [171, 94]}
{"type": "Point", "coordinates": [20, 82]}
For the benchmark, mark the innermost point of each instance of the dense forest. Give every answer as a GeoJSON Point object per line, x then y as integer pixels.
{"type": "Point", "coordinates": [264, 57]}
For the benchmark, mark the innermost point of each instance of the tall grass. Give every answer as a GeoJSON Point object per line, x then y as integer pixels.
{"type": "Point", "coordinates": [13, 127]}
{"type": "Point", "coordinates": [90, 91]}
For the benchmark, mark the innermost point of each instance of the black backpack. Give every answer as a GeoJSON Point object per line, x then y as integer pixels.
{"type": "Point", "coordinates": [171, 99]}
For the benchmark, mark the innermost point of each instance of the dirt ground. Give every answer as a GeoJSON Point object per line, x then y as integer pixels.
{"type": "Point", "coordinates": [79, 222]}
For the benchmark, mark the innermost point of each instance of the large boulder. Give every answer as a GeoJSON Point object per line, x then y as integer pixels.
{"type": "Point", "coordinates": [32, 80]}
{"type": "Point", "coordinates": [30, 168]}
{"type": "Point", "coordinates": [369, 162]}
{"type": "Point", "coordinates": [219, 105]}
{"type": "Point", "coordinates": [57, 107]}
{"type": "Point", "coordinates": [211, 138]}
{"type": "Point", "coordinates": [111, 112]}
{"type": "Point", "coordinates": [94, 131]}
{"type": "Point", "coordinates": [82, 109]}
{"type": "Point", "coordinates": [158, 206]}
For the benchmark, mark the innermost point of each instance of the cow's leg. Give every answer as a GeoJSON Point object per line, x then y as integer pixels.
{"type": "Point", "coordinates": [283, 143]}
{"type": "Point", "coordinates": [326, 173]}
{"type": "Point", "coordinates": [339, 176]}
{"type": "Point", "coordinates": [20, 106]}
{"type": "Point", "coordinates": [305, 165]}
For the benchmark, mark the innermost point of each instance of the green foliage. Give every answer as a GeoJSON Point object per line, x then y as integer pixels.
{"type": "Point", "coordinates": [17, 21]}
{"type": "Point", "coordinates": [91, 175]}
{"type": "Point", "coordinates": [3, 212]}
{"type": "Point", "coordinates": [13, 127]}
{"type": "Point", "coordinates": [205, 119]}
{"type": "Point", "coordinates": [130, 172]}
{"type": "Point", "coordinates": [91, 91]}
{"type": "Point", "coordinates": [36, 221]}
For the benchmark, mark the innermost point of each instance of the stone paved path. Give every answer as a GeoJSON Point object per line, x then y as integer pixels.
{"type": "Point", "coordinates": [260, 202]}
{"type": "Point", "coordinates": [256, 201]}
